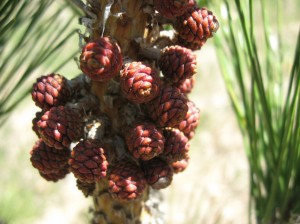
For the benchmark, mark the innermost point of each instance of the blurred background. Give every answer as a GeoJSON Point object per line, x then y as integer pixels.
{"type": "Point", "coordinates": [213, 189]}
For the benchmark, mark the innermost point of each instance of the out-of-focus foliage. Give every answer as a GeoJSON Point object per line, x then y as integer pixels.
{"type": "Point", "coordinates": [263, 83]}
{"type": "Point", "coordinates": [32, 36]}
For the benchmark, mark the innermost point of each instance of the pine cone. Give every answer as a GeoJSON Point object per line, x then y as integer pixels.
{"type": "Point", "coordinates": [172, 8]}
{"type": "Point", "coordinates": [145, 141]}
{"type": "Point", "coordinates": [126, 181]}
{"type": "Point", "coordinates": [139, 82]}
{"type": "Point", "coordinates": [193, 45]}
{"type": "Point", "coordinates": [181, 165]}
{"type": "Point", "coordinates": [158, 173]}
{"type": "Point", "coordinates": [35, 127]}
{"type": "Point", "coordinates": [55, 176]}
{"type": "Point", "coordinates": [186, 86]}
{"type": "Point", "coordinates": [176, 145]}
{"type": "Point", "coordinates": [191, 121]}
{"type": "Point", "coordinates": [60, 126]}
{"type": "Point", "coordinates": [177, 63]}
{"type": "Point", "coordinates": [196, 25]}
{"type": "Point", "coordinates": [86, 188]}
{"type": "Point", "coordinates": [50, 90]}
{"type": "Point", "coordinates": [47, 159]}
{"type": "Point", "coordinates": [101, 59]}
{"type": "Point", "coordinates": [169, 108]}
{"type": "Point", "coordinates": [88, 161]}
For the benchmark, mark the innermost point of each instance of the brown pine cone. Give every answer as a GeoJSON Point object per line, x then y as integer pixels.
{"type": "Point", "coordinates": [176, 145]}
{"type": "Point", "coordinates": [55, 176]}
{"type": "Point", "coordinates": [60, 126]}
{"type": "Point", "coordinates": [37, 117]}
{"type": "Point", "coordinates": [181, 165]}
{"type": "Point", "coordinates": [193, 45]}
{"type": "Point", "coordinates": [158, 173]}
{"type": "Point", "coordinates": [47, 159]}
{"type": "Point", "coordinates": [196, 25]}
{"type": "Point", "coordinates": [177, 63]}
{"type": "Point", "coordinates": [139, 82]}
{"type": "Point", "coordinates": [186, 86]}
{"type": "Point", "coordinates": [172, 8]}
{"type": "Point", "coordinates": [50, 90]}
{"type": "Point", "coordinates": [101, 59]}
{"type": "Point", "coordinates": [145, 141]}
{"type": "Point", "coordinates": [126, 181]}
{"type": "Point", "coordinates": [191, 120]}
{"type": "Point", "coordinates": [88, 161]}
{"type": "Point", "coordinates": [169, 108]}
{"type": "Point", "coordinates": [86, 188]}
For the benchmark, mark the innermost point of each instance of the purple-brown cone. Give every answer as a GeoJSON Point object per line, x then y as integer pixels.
{"type": "Point", "coordinates": [50, 90]}
{"type": "Point", "coordinates": [176, 145]}
{"type": "Point", "coordinates": [172, 8]}
{"type": "Point", "coordinates": [177, 63]}
{"type": "Point", "coordinates": [101, 59]}
{"type": "Point", "coordinates": [186, 86]}
{"type": "Point", "coordinates": [126, 181]}
{"type": "Point", "coordinates": [145, 141]}
{"type": "Point", "coordinates": [181, 165]}
{"type": "Point", "coordinates": [88, 161]}
{"type": "Point", "coordinates": [47, 159]}
{"type": "Point", "coordinates": [158, 173]}
{"type": "Point", "coordinates": [60, 126]}
{"type": "Point", "coordinates": [169, 108]}
{"type": "Point", "coordinates": [189, 124]}
{"type": "Point", "coordinates": [196, 25]}
{"type": "Point", "coordinates": [139, 82]}
{"type": "Point", "coordinates": [55, 176]}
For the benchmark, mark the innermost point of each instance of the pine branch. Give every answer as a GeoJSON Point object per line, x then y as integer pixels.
{"type": "Point", "coordinates": [31, 35]}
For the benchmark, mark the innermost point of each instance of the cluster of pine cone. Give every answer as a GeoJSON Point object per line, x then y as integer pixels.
{"type": "Point", "coordinates": [133, 130]}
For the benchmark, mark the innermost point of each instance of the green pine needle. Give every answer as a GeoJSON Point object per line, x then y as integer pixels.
{"type": "Point", "coordinates": [33, 34]}
{"type": "Point", "coordinates": [267, 110]}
